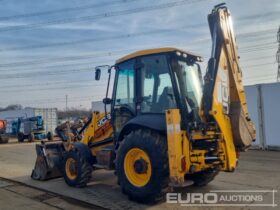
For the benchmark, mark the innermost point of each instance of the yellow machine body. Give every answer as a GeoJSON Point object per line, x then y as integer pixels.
{"type": "Point", "coordinates": [50, 156]}
{"type": "Point", "coordinates": [99, 129]}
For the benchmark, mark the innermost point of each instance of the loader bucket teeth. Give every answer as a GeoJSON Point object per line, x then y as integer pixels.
{"type": "Point", "coordinates": [48, 162]}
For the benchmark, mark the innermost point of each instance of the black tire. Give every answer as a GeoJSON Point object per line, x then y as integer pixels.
{"type": "Point", "coordinates": [83, 169]}
{"type": "Point", "coordinates": [21, 137]}
{"type": "Point", "coordinates": [203, 178]}
{"type": "Point", "coordinates": [50, 136]}
{"type": "Point", "coordinates": [31, 137]}
{"type": "Point", "coordinates": [4, 139]}
{"type": "Point", "coordinates": [155, 146]}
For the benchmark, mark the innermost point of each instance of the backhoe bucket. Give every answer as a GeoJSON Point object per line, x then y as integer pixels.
{"type": "Point", "coordinates": [49, 161]}
{"type": "Point", "coordinates": [243, 130]}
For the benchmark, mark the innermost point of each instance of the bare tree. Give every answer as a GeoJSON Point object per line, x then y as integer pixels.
{"type": "Point", "coordinates": [12, 107]}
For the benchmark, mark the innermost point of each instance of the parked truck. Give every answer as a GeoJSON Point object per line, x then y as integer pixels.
{"type": "Point", "coordinates": [31, 128]}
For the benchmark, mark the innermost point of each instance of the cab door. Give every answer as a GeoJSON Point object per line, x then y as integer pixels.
{"type": "Point", "coordinates": [123, 107]}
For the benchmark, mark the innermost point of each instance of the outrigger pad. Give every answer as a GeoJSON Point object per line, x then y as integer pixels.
{"type": "Point", "coordinates": [48, 164]}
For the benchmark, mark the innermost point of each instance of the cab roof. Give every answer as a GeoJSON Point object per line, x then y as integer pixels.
{"type": "Point", "coordinates": [153, 51]}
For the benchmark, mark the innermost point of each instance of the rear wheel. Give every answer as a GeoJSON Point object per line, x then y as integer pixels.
{"type": "Point", "coordinates": [204, 177]}
{"type": "Point", "coordinates": [142, 166]}
{"type": "Point", "coordinates": [20, 137]}
{"type": "Point", "coordinates": [3, 139]}
{"type": "Point", "coordinates": [76, 171]}
{"type": "Point", "coordinates": [31, 137]}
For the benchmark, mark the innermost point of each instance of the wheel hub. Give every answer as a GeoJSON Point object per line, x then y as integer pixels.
{"type": "Point", "coordinates": [137, 167]}
{"type": "Point", "coordinates": [141, 166]}
{"type": "Point", "coordinates": [71, 168]}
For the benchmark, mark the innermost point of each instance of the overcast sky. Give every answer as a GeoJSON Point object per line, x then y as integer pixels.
{"type": "Point", "coordinates": [49, 48]}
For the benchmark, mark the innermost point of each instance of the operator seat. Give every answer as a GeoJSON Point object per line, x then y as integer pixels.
{"type": "Point", "coordinates": [166, 100]}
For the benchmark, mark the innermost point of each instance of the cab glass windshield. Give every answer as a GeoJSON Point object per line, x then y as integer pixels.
{"type": "Point", "coordinates": [188, 76]}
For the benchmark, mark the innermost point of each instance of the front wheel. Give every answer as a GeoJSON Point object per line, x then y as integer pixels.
{"type": "Point", "coordinates": [31, 137]}
{"type": "Point", "coordinates": [20, 137]}
{"type": "Point", "coordinates": [50, 136]}
{"type": "Point", "coordinates": [142, 165]}
{"type": "Point", "coordinates": [76, 169]}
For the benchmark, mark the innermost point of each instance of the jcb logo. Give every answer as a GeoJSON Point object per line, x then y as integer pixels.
{"type": "Point", "coordinates": [103, 120]}
{"type": "Point", "coordinates": [223, 90]}
{"type": "Point", "coordinates": [225, 97]}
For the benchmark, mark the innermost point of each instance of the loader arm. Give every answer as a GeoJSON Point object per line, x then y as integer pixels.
{"type": "Point", "coordinates": [224, 99]}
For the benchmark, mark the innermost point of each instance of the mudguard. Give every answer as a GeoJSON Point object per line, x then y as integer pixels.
{"type": "Point", "coordinates": [154, 122]}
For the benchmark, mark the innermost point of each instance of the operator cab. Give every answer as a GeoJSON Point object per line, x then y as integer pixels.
{"type": "Point", "coordinates": [149, 82]}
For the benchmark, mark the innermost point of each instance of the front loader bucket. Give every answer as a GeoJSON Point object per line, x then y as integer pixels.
{"type": "Point", "coordinates": [49, 161]}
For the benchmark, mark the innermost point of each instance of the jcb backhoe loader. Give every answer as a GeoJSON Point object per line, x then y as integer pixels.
{"type": "Point", "coordinates": [167, 126]}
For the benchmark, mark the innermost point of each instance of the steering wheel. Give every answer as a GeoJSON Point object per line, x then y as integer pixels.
{"type": "Point", "coordinates": [121, 115]}
{"type": "Point", "coordinates": [126, 109]}
{"type": "Point", "coordinates": [147, 99]}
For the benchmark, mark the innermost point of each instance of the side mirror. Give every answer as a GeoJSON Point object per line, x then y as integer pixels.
{"type": "Point", "coordinates": [107, 101]}
{"type": "Point", "coordinates": [97, 74]}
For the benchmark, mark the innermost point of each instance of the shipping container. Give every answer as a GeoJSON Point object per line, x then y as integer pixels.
{"type": "Point", "coordinates": [49, 116]}
{"type": "Point", "coordinates": [252, 101]}
{"type": "Point", "coordinates": [264, 108]}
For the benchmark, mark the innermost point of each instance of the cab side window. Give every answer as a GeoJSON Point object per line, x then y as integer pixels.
{"type": "Point", "coordinates": [125, 88]}
{"type": "Point", "coordinates": [157, 90]}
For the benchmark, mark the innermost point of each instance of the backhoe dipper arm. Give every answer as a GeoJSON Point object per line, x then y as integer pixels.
{"type": "Point", "coordinates": [224, 100]}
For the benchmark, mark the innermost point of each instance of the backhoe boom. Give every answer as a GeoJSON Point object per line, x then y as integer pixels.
{"type": "Point", "coordinates": [224, 97]}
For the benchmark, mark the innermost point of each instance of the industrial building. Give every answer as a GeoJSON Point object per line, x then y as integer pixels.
{"type": "Point", "coordinates": [264, 102]}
